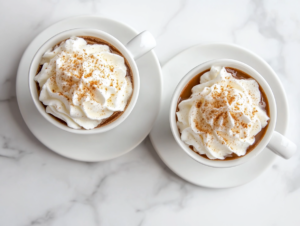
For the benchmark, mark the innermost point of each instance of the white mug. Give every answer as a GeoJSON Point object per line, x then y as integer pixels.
{"type": "Point", "coordinates": [138, 46]}
{"type": "Point", "coordinates": [276, 142]}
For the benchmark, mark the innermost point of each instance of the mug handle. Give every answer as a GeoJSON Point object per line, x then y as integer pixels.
{"type": "Point", "coordinates": [282, 146]}
{"type": "Point", "coordinates": [141, 44]}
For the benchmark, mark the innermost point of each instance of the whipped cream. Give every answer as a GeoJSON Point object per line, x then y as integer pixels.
{"type": "Point", "coordinates": [222, 116]}
{"type": "Point", "coordinates": [83, 84]}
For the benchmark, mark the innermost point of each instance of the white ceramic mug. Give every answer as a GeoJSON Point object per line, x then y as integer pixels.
{"type": "Point", "coordinates": [272, 139]}
{"type": "Point", "coordinates": [138, 46]}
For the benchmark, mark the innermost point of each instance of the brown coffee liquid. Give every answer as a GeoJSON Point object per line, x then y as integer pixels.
{"type": "Point", "coordinates": [187, 92]}
{"type": "Point", "coordinates": [91, 41]}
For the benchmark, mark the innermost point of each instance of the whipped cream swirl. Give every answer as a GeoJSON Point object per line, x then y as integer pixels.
{"type": "Point", "coordinates": [83, 84]}
{"type": "Point", "coordinates": [222, 116]}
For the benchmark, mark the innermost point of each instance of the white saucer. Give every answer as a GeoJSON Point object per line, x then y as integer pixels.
{"type": "Point", "coordinates": [164, 143]}
{"type": "Point", "coordinates": [103, 146]}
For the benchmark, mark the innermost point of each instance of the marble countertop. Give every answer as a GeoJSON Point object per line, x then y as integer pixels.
{"type": "Point", "coordinates": [39, 187]}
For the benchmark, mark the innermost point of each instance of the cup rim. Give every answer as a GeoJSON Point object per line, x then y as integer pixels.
{"type": "Point", "coordinates": [83, 32]}
{"type": "Point", "coordinates": [254, 74]}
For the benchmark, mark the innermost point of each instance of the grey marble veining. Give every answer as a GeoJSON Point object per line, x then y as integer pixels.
{"type": "Point", "coordinates": [39, 187]}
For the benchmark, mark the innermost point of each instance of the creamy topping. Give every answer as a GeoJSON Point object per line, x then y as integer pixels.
{"type": "Point", "coordinates": [83, 84]}
{"type": "Point", "coordinates": [222, 116]}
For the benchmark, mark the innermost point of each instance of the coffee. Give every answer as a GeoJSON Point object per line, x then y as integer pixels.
{"type": "Point", "coordinates": [93, 40]}
{"type": "Point", "coordinates": [225, 110]}
{"type": "Point", "coordinates": [94, 83]}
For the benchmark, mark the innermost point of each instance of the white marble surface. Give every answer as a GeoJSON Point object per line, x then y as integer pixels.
{"type": "Point", "coordinates": [38, 187]}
